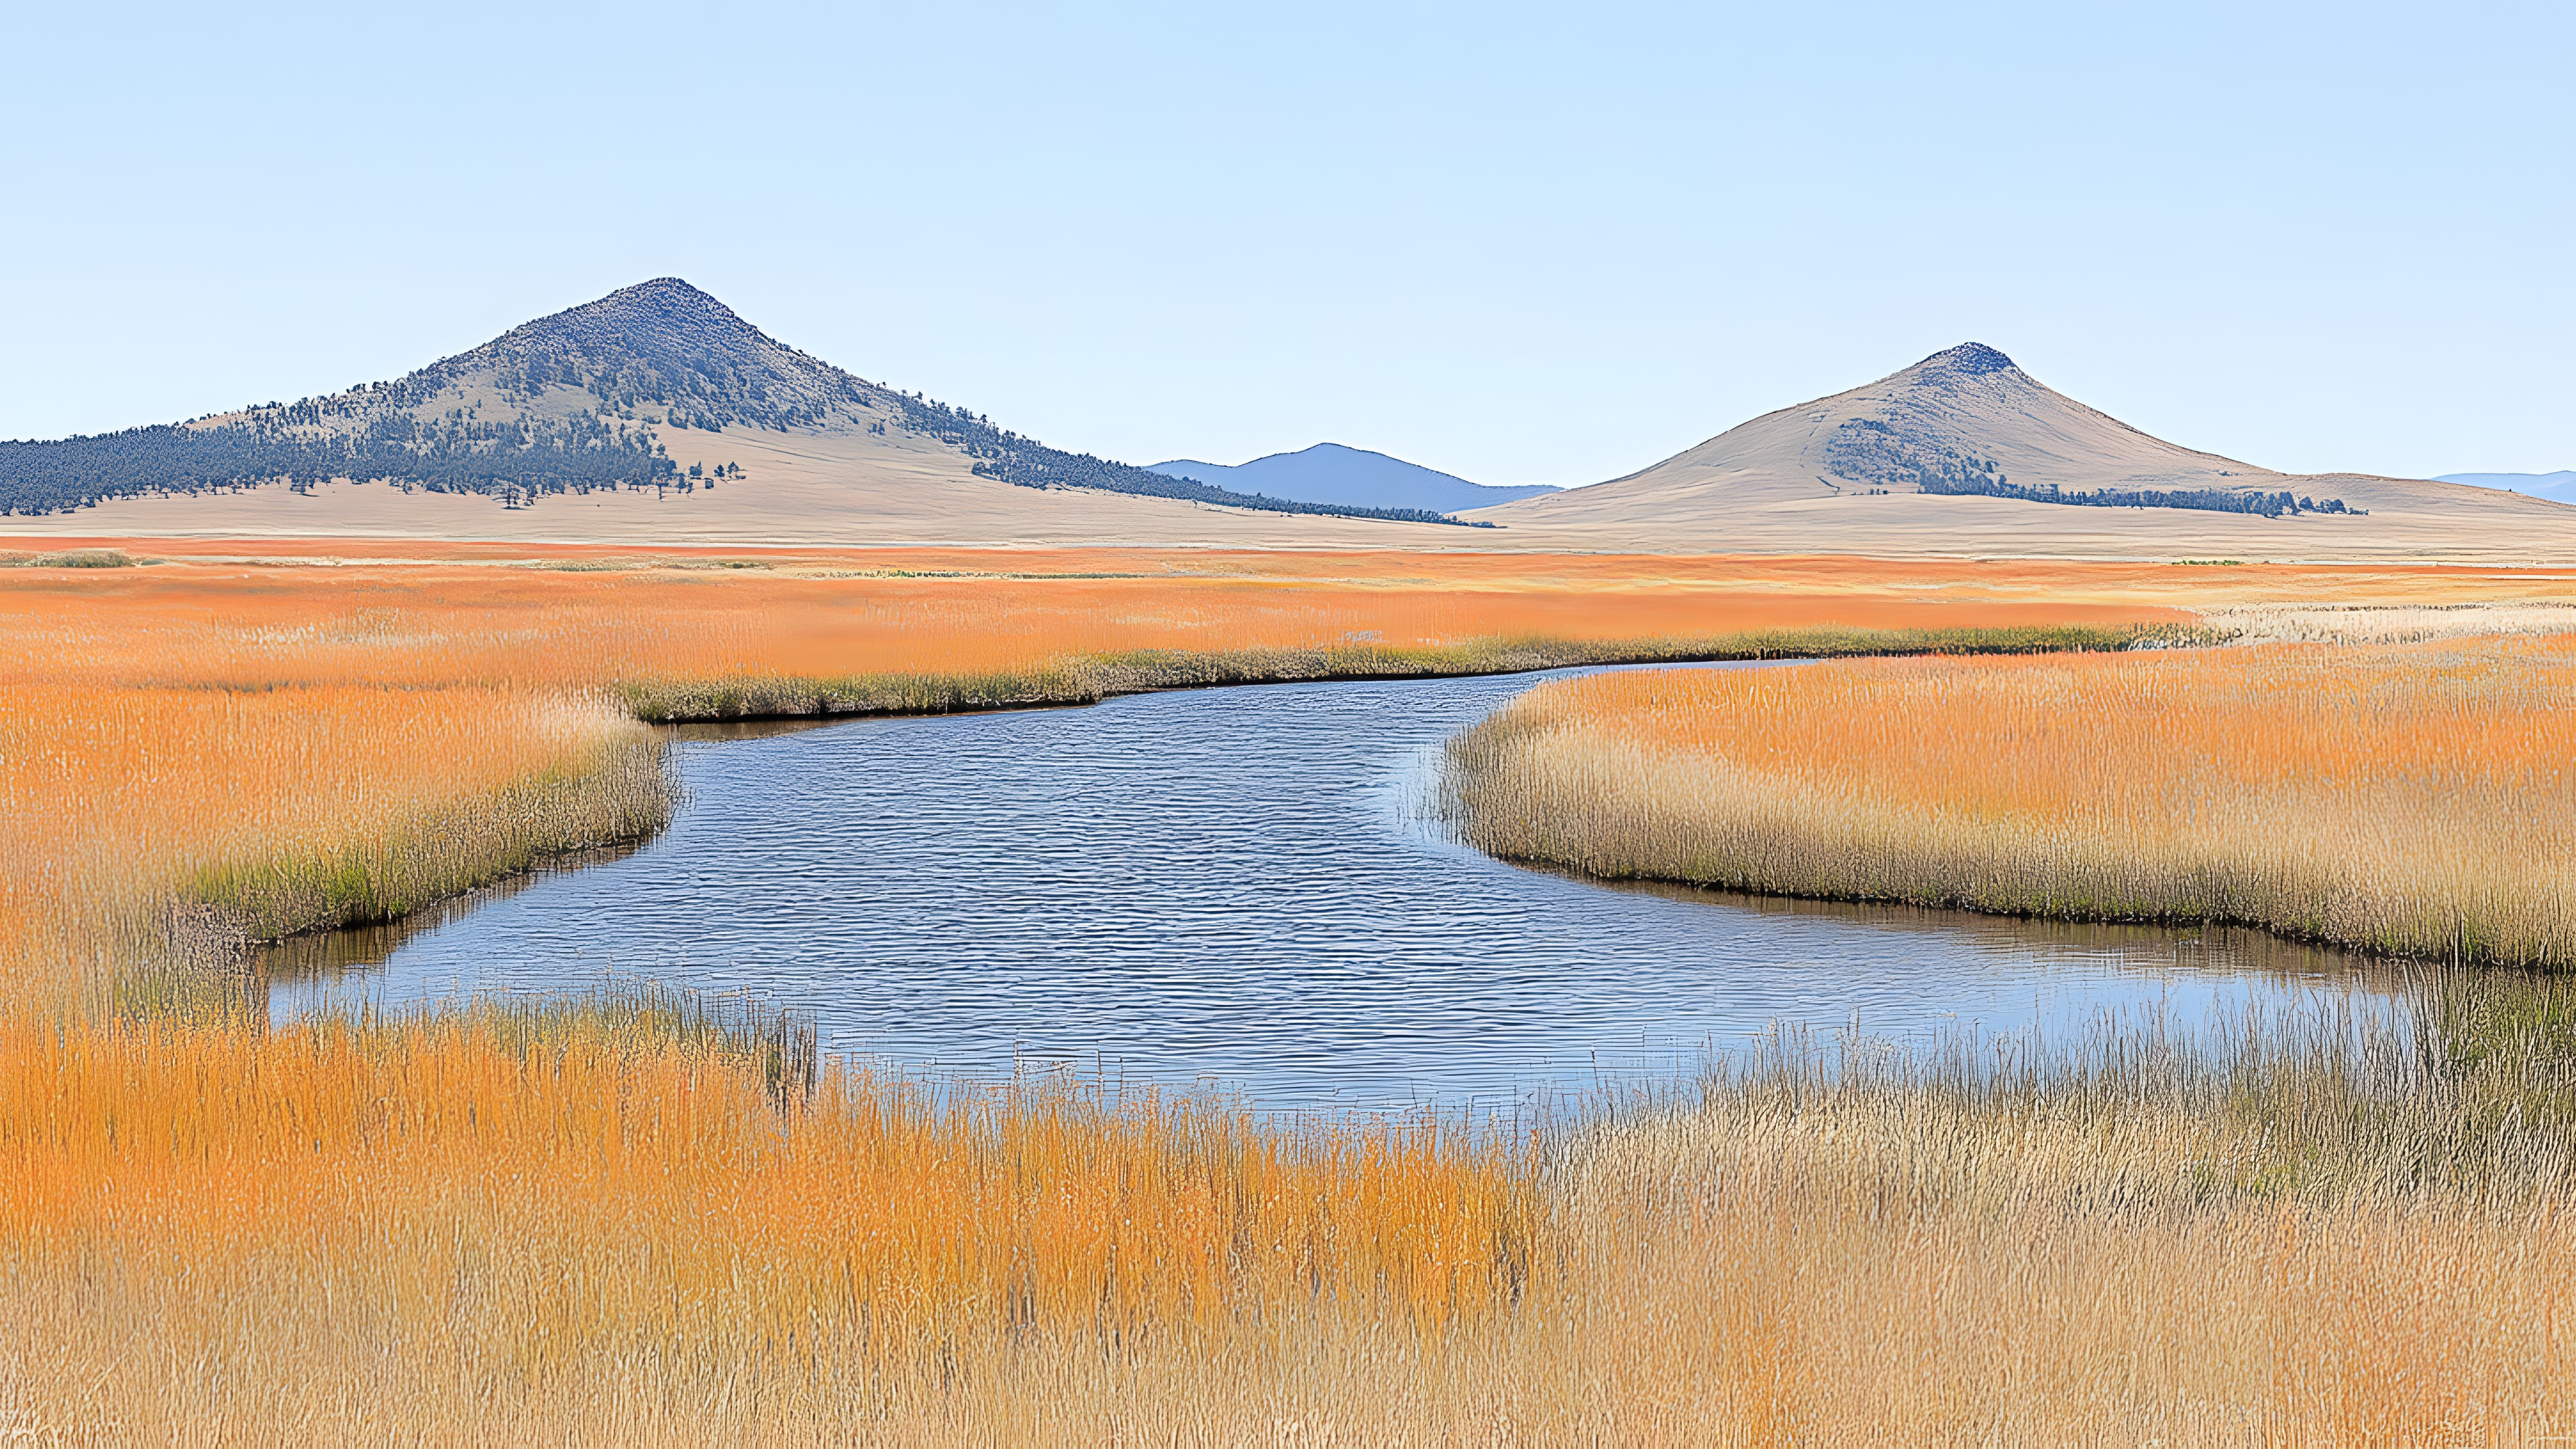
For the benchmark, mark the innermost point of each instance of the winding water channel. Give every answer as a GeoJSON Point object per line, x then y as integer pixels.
{"type": "Point", "coordinates": [1245, 886]}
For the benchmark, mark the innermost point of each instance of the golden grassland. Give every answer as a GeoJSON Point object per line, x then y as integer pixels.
{"type": "Point", "coordinates": [2386, 623]}
{"type": "Point", "coordinates": [472, 1210]}
{"type": "Point", "coordinates": [128, 810]}
{"type": "Point", "coordinates": [467, 1228]}
{"type": "Point", "coordinates": [617, 1221]}
{"type": "Point", "coordinates": [588, 620]}
{"type": "Point", "coordinates": [2415, 799]}
{"type": "Point", "coordinates": [326, 741]}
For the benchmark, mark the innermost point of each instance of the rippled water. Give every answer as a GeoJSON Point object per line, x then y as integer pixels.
{"type": "Point", "coordinates": [1240, 885]}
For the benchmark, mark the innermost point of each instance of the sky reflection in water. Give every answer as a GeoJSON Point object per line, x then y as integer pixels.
{"type": "Point", "coordinates": [1241, 886]}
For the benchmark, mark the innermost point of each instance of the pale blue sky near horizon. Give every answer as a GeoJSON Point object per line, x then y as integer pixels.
{"type": "Point", "coordinates": [1518, 244]}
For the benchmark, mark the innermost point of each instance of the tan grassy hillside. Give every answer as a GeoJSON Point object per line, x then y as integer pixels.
{"type": "Point", "coordinates": [848, 488]}
{"type": "Point", "coordinates": [585, 426]}
{"type": "Point", "coordinates": [1849, 473]}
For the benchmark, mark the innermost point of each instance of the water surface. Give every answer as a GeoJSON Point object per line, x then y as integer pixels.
{"type": "Point", "coordinates": [1244, 886]}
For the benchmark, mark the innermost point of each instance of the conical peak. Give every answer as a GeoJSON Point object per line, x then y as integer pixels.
{"type": "Point", "coordinates": [660, 342]}
{"type": "Point", "coordinates": [1968, 359]}
{"type": "Point", "coordinates": [665, 297]}
{"type": "Point", "coordinates": [666, 310]}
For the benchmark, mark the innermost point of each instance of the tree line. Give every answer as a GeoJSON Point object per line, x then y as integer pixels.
{"type": "Point", "coordinates": [2208, 500]}
{"type": "Point", "coordinates": [1872, 450]}
{"type": "Point", "coordinates": [518, 459]}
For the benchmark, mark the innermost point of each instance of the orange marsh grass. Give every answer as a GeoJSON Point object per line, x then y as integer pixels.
{"type": "Point", "coordinates": [462, 1211]}
{"type": "Point", "coordinates": [468, 1227]}
{"type": "Point", "coordinates": [2416, 800]}
{"type": "Point", "coordinates": [289, 808]}
{"type": "Point", "coordinates": [587, 1228]}
{"type": "Point", "coordinates": [306, 745]}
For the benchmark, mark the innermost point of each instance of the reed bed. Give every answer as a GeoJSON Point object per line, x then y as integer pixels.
{"type": "Point", "coordinates": [2267, 1240]}
{"type": "Point", "coordinates": [2407, 800]}
{"type": "Point", "coordinates": [198, 752]}
{"type": "Point", "coordinates": [600, 1226]}
{"type": "Point", "coordinates": [147, 826]}
{"type": "Point", "coordinates": [634, 1217]}
{"type": "Point", "coordinates": [2386, 623]}
{"type": "Point", "coordinates": [398, 1221]}
{"type": "Point", "coordinates": [409, 626]}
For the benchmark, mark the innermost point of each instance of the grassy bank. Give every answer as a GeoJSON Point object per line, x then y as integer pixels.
{"type": "Point", "coordinates": [603, 1226]}
{"type": "Point", "coordinates": [609, 793]}
{"type": "Point", "coordinates": [628, 1219]}
{"type": "Point", "coordinates": [201, 752]}
{"type": "Point", "coordinates": [1088, 679]}
{"type": "Point", "coordinates": [2410, 800]}
{"type": "Point", "coordinates": [154, 830]}
{"type": "Point", "coordinates": [605, 784]}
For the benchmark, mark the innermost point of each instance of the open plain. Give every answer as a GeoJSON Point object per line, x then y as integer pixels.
{"type": "Point", "coordinates": [617, 1217]}
{"type": "Point", "coordinates": [1824, 730]}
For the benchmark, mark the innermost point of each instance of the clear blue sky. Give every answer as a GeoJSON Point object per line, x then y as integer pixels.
{"type": "Point", "coordinates": [1522, 245]}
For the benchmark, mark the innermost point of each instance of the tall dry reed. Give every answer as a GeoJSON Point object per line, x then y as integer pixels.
{"type": "Point", "coordinates": [199, 747]}
{"type": "Point", "coordinates": [471, 1211]}
{"type": "Point", "coordinates": [2414, 800]}
{"type": "Point", "coordinates": [144, 823]}
{"type": "Point", "coordinates": [595, 1228]}
{"type": "Point", "coordinates": [2309, 623]}
{"type": "Point", "coordinates": [618, 1221]}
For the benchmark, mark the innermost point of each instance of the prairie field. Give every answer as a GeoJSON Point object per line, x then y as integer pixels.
{"type": "Point", "coordinates": [618, 1218]}
{"type": "Point", "coordinates": [326, 739]}
{"type": "Point", "coordinates": [2411, 799]}
{"type": "Point", "coordinates": [474, 1226]}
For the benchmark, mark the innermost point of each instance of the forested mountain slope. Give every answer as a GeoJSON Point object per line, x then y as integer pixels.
{"type": "Point", "coordinates": [585, 401]}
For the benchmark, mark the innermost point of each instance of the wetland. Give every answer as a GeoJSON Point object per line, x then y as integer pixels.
{"type": "Point", "coordinates": [1251, 888]}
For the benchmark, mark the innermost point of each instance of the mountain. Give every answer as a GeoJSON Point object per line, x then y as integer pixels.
{"type": "Point", "coordinates": [1332, 473]}
{"type": "Point", "coordinates": [2558, 487]}
{"type": "Point", "coordinates": [1965, 421]}
{"type": "Point", "coordinates": [655, 416]}
{"type": "Point", "coordinates": [592, 400]}
{"type": "Point", "coordinates": [1964, 452]}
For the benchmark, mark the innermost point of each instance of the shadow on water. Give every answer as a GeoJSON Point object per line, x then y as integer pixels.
{"type": "Point", "coordinates": [699, 731]}
{"type": "Point", "coordinates": [2217, 948]}
{"type": "Point", "coordinates": [324, 956]}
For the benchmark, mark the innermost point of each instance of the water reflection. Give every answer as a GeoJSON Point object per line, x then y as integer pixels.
{"type": "Point", "coordinates": [1243, 886]}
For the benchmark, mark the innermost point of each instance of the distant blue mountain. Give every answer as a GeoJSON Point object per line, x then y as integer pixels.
{"type": "Point", "coordinates": [1353, 477]}
{"type": "Point", "coordinates": [2558, 487]}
